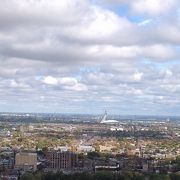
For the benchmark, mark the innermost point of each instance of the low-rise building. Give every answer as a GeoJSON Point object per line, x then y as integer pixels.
{"type": "Point", "coordinates": [85, 149]}
{"type": "Point", "coordinates": [26, 161]}
{"type": "Point", "coordinates": [58, 160]}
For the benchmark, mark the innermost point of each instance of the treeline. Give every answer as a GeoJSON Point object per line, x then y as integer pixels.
{"type": "Point", "coordinates": [97, 176]}
{"type": "Point", "coordinates": [124, 134]}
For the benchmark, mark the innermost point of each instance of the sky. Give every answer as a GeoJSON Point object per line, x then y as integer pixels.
{"type": "Point", "coordinates": [85, 56]}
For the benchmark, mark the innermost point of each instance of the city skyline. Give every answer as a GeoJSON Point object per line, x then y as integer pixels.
{"type": "Point", "coordinates": [85, 56]}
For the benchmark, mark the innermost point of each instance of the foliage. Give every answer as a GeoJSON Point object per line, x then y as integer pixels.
{"type": "Point", "coordinates": [92, 155]}
{"type": "Point", "coordinates": [27, 176]}
{"type": "Point", "coordinates": [103, 175]}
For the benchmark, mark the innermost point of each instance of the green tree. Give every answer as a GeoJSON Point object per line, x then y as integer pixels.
{"type": "Point", "coordinates": [39, 176]}
{"type": "Point", "coordinates": [175, 176]}
{"type": "Point", "coordinates": [160, 177]}
{"type": "Point", "coordinates": [92, 155]}
{"type": "Point", "coordinates": [27, 176]}
{"type": "Point", "coordinates": [104, 176]}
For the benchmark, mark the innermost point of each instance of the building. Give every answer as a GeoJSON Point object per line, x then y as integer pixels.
{"type": "Point", "coordinates": [109, 121]}
{"type": "Point", "coordinates": [6, 164]}
{"type": "Point", "coordinates": [107, 168]}
{"type": "Point", "coordinates": [61, 148]}
{"type": "Point", "coordinates": [59, 160]}
{"type": "Point", "coordinates": [6, 160]}
{"type": "Point", "coordinates": [85, 149]}
{"type": "Point", "coordinates": [26, 161]}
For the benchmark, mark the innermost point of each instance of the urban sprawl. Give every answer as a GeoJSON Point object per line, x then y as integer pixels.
{"type": "Point", "coordinates": [88, 147]}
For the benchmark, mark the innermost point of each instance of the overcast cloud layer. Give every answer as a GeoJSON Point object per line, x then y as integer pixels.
{"type": "Point", "coordinates": [84, 56]}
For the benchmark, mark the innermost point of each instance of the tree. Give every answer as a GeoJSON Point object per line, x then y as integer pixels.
{"type": "Point", "coordinates": [92, 155]}
{"type": "Point", "coordinates": [160, 177]}
{"type": "Point", "coordinates": [104, 176]}
{"type": "Point", "coordinates": [27, 176]}
{"type": "Point", "coordinates": [175, 177]}
{"type": "Point", "coordinates": [39, 176]}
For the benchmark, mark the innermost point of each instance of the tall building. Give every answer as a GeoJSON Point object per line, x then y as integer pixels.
{"type": "Point", "coordinates": [26, 161]}
{"type": "Point", "coordinates": [61, 160]}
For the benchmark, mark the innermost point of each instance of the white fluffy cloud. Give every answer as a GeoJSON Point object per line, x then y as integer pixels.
{"type": "Point", "coordinates": [68, 83]}
{"type": "Point", "coordinates": [153, 7]}
{"type": "Point", "coordinates": [77, 54]}
{"type": "Point", "coordinates": [148, 7]}
{"type": "Point", "coordinates": [50, 80]}
{"type": "Point", "coordinates": [137, 76]}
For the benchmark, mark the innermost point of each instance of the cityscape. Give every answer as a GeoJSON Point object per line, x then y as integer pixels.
{"type": "Point", "coordinates": [76, 144]}
{"type": "Point", "coordinates": [89, 89]}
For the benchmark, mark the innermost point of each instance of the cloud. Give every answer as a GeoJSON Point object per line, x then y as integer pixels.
{"type": "Point", "coordinates": [68, 83]}
{"type": "Point", "coordinates": [77, 54]}
{"type": "Point", "coordinates": [137, 76]}
{"type": "Point", "coordinates": [153, 7]}
{"type": "Point", "coordinates": [145, 22]}
{"type": "Point", "coordinates": [50, 80]}
{"type": "Point", "coordinates": [148, 7]}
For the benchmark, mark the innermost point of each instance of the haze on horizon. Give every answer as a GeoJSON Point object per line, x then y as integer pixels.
{"type": "Point", "coordinates": [85, 56]}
